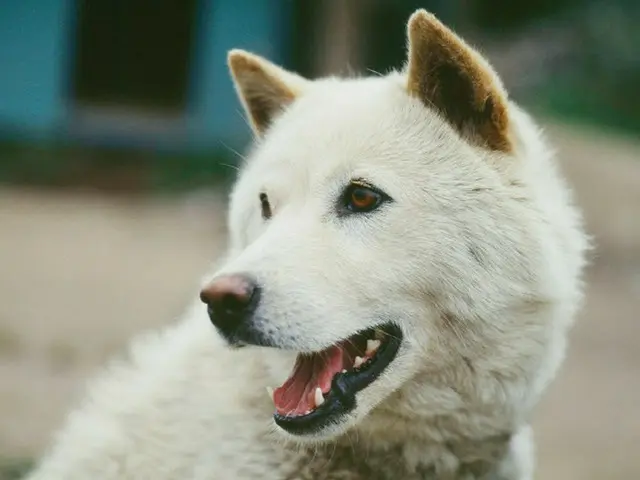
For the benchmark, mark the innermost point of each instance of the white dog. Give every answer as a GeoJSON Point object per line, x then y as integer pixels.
{"type": "Point", "coordinates": [403, 247]}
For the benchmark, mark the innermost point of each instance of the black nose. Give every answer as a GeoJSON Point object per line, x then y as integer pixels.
{"type": "Point", "coordinates": [230, 299]}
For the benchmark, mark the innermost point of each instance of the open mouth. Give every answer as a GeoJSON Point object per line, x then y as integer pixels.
{"type": "Point", "coordinates": [323, 385]}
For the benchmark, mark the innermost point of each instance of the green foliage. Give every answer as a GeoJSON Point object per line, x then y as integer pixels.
{"type": "Point", "coordinates": [599, 82]}
{"type": "Point", "coordinates": [13, 469]}
{"type": "Point", "coordinates": [54, 165]}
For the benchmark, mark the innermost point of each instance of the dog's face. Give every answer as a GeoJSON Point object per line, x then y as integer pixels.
{"type": "Point", "coordinates": [372, 216]}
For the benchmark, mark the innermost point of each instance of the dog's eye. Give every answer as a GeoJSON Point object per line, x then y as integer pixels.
{"type": "Point", "coordinates": [265, 206]}
{"type": "Point", "coordinates": [361, 198]}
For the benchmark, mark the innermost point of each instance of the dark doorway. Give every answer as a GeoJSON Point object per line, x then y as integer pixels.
{"type": "Point", "coordinates": [134, 54]}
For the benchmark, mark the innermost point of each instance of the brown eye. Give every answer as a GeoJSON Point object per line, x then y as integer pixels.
{"type": "Point", "coordinates": [265, 206]}
{"type": "Point", "coordinates": [361, 199]}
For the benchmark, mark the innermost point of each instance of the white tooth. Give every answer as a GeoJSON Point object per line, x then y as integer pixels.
{"type": "Point", "coordinates": [270, 392]}
{"type": "Point", "coordinates": [344, 370]}
{"type": "Point", "coordinates": [372, 346]}
{"type": "Point", "coordinates": [357, 362]}
{"type": "Point", "coordinates": [319, 397]}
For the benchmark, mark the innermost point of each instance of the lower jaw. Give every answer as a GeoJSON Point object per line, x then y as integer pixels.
{"type": "Point", "coordinates": [335, 407]}
{"type": "Point", "coordinates": [341, 398]}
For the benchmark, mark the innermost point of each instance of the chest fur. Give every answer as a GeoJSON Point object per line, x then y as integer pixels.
{"type": "Point", "coordinates": [346, 461]}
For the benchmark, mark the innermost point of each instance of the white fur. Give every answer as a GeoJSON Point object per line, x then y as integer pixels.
{"type": "Point", "coordinates": [478, 259]}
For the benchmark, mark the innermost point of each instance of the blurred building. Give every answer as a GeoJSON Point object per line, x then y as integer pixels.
{"type": "Point", "coordinates": [91, 91]}
{"type": "Point", "coordinates": [129, 72]}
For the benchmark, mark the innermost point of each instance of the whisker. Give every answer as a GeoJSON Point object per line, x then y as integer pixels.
{"type": "Point", "coordinates": [233, 167]}
{"type": "Point", "coordinates": [389, 335]}
{"type": "Point", "coordinates": [233, 150]}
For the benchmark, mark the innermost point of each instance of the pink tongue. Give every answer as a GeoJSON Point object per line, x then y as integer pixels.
{"type": "Point", "coordinates": [296, 395]}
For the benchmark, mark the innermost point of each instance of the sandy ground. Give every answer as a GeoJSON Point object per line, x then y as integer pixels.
{"type": "Point", "coordinates": [81, 273]}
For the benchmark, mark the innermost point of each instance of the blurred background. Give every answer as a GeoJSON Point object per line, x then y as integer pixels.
{"type": "Point", "coordinates": [119, 136]}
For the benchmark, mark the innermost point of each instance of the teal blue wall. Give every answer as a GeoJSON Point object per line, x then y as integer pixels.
{"type": "Point", "coordinates": [256, 25]}
{"type": "Point", "coordinates": [36, 50]}
{"type": "Point", "coordinates": [33, 63]}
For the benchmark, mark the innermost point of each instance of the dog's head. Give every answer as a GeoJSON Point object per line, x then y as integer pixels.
{"type": "Point", "coordinates": [374, 230]}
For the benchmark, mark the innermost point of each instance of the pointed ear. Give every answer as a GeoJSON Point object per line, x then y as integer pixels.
{"type": "Point", "coordinates": [263, 88]}
{"type": "Point", "coordinates": [448, 75]}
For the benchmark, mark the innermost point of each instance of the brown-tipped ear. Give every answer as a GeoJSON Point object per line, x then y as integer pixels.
{"type": "Point", "coordinates": [448, 75]}
{"type": "Point", "coordinates": [264, 88]}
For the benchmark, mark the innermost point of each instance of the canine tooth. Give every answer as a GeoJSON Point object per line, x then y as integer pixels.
{"type": "Point", "coordinates": [319, 398]}
{"type": "Point", "coordinates": [357, 362]}
{"type": "Point", "coordinates": [344, 370]}
{"type": "Point", "coordinates": [270, 392]}
{"type": "Point", "coordinates": [372, 346]}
